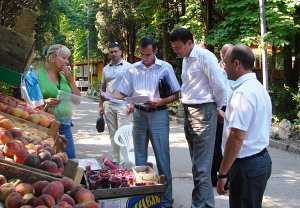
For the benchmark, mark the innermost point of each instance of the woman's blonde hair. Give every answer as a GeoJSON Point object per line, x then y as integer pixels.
{"type": "Point", "coordinates": [57, 50]}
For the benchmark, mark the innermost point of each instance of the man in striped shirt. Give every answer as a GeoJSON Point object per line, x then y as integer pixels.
{"type": "Point", "coordinates": [151, 119]}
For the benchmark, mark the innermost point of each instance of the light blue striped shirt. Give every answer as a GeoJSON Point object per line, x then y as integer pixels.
{"type": "Point", "coordinates": [140, 80]}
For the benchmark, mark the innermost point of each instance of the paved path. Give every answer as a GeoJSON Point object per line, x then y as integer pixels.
{"type": "Point", "coordinates": [283, 190]}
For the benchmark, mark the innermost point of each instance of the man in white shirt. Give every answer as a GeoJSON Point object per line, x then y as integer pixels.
{"type": "Point", "coordinates": [151, 119]}
{"type": "Point", "coordinates": [203, 91]}
{"type": "Point", "coordinates": [115, 114]}
{"type": "Point", "coordinates": [246, 162]}
{"type": "Point", "coordinates": [217, 158]}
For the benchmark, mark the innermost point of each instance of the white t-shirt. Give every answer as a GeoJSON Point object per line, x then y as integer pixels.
{"type": "Point", "coordinates": [250, 110]}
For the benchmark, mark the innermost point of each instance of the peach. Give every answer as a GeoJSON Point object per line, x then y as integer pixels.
{"type": "Point", "coordinates": [89, 204]}
{"type": "Point", "coordinates": [35, 201]}
{"type": "Point", "coordinates": [49, 166]}
{"type": "Point", "coordinates": [26, 206]}
{"type": "Point", "coordinates": [5, 190]}
{"type": "Point", "coordinates": [3, 107]}
{"type": "Point", "coordinates": [24, 188]}
{"type": "Point", "coordinates": [44, 121]}
{"type": "Point", "coordinates": [27, 198]}
{"type": "Point", "coordinates": [20, 156]}
{"type": "Point", "coordinates": [5, 136]}
{"type": "Point", "coordinates": [83, 195]}
{"type": "Point", "coordinates": [41, 206]}
{"type": "Point", "coordinates": [17, 112]}
{"type": "Point", "coordinates": [44, 155]}
{"type": "Point", "coordinates": [68, 183]}
{"type": "Point", "coordinates": [2, 180]}
{"type": "Point", "coordinates": [67, 199]}
{"type": "Point", "coordinates": [63, 204]}
{"type": "Point", "coordinates": [48, 200]}
{"type": "Point", "coordinates": [7, 124]}
{"type": "Point", "coordinates": [32, 160]}
{"type": "Point", "coordinates": [39, 186]}
{"type": "Point", "coordinates": [35, 118]}
{"type": "Point", "coordinates": [59, 162]}
{"type": "Point", "coordinates": [13, 147]}
{"type": "Point", "coordinates": [55, 189]}
{"type": "Point", "coordinates": [14, 200]}
{"type": "Point", "coordinates": [16, 133]}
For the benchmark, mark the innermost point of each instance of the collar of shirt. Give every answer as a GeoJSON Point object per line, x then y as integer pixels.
{"type": "Point", "coordinates": [157, 62]}
{"type": "Point", "coordinates": [243, 79]}
{"type": "Point", "coordinates": [118, 64]}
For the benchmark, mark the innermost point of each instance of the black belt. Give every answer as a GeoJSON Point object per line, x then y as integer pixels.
{"type": "Point", "coordinates": [253, 156]}
{"type": "Point", "coordinates": [148, 109]}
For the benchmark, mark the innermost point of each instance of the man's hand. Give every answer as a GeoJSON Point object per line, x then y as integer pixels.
{"type": "Point", "coordinates": [101, 109]}
{"type": "Point", "coordinates": [221, 186]}
{"type": "Point", "coordinates": [154, 103]}
{"type": "Point", "coordinates": [130, 108]}
{"type": "Point", "coordinates": [221, 115]}
{"type": "Point", "coordinates": [52, 101]}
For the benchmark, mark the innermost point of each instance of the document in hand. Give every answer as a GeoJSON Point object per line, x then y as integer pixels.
{"type": "Point", "coordinates": [141, 99]}
{"type": "Point", "coordinates": [111, 98]}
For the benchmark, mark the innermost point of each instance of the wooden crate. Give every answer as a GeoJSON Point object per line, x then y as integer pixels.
{"type": "Point", "coordinates": [30, 175]}
{"type": "Point", "coordinates": [110, 193]}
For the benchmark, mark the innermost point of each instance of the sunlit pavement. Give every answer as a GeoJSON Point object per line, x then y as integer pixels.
{"type": "Point", "coordinates": [283, 190]}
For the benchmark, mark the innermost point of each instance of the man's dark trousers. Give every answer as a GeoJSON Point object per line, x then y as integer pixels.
{"type": "Point", "coordinates": [248, 179]}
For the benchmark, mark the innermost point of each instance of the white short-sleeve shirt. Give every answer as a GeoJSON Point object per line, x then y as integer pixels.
{"type": "Point", "coordinates": [249, 109]}
{"type": "Point", "coordinates": [112, 73]}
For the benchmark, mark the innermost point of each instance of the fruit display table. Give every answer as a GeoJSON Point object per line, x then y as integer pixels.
{"type": "Point", "coordinates": [112, 181]}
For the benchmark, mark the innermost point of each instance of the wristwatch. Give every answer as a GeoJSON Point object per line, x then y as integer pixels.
{"type": "Point", "coordinates": [220, 176]}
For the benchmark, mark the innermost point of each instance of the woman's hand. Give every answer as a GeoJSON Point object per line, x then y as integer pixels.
{"type": "Point", "coordinates": [68, 74]}
{"type": "Point", "coordinates": [52, 101]}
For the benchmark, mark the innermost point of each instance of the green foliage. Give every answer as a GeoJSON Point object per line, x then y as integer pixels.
{"type": "Point", "coordinates": [240, 22]}
{"type": "Point", "coordinates": [283, 102]}
{"type": "Point", "coordinates": [69, 23]}
{"type": "Point", "coordinates": [5, 88]}
{"type": "Point", "coordinates": [296, 98]}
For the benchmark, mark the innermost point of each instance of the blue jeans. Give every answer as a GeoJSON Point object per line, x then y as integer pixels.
{"type": "Point", "coordinates": [154, 126]}
{"type": "Point", "coordinates": [65, 129]}
{"type": "Point", "coordinates": [200, 130]}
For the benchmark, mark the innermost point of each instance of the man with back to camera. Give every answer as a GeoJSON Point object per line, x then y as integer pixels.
{"type": "Point", "coordinates": [202, 92]}
{"type": "Point", "coordinates": [151, 120]}
{"type": "Point", "coordinates": [115, 114]}
{"type": "Point", "coordinates": [246, 162]}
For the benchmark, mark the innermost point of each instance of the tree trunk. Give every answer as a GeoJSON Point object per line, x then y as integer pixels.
{"type": "Point", "coordinates": [297, 50]}
{"type": "Point", "coordinates": [209, 20]}
{"type": "Point", "coordinates": [272, 64]}
{"type": "Point", "coordinates": [287, 64]}
{"type": "Point", "coordinates": [263, 31]}
{"type": "Point", "coordinates": [165, 41]}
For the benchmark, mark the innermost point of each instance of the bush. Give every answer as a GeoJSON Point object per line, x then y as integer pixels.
{"type": "Point", "coordinates": [284, 102]}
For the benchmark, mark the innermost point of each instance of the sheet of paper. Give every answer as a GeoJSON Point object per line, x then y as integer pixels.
{"type": "Point", "coordinates": [112, 99]}
{"type": "Point", "coordinates": [138, 99]}
{"type": "Point", "coordinates": [88, 162]}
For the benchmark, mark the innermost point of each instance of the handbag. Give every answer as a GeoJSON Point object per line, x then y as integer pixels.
{"type": "Point", "coordinates": [100, 123]}
{"type": "Point", "coordinates": [164, 88]}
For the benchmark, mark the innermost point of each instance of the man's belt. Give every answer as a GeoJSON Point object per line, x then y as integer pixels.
{"type": "Point", "coordinates": [253, 156]}
{"type": "Point", "coordinates": [148, 109]}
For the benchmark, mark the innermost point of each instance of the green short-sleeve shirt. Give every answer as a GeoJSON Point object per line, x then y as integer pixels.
{"type": "Point", "coordinates": [49, 89]}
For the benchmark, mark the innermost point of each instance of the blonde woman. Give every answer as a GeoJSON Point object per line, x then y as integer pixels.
{"type": "Point", "coordinates": [55, 76]}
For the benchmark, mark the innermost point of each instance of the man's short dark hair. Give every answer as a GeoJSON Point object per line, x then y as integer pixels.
{"type": "Point", "coordinates": [244, 54]}
{"type": "Point", "coordinates": [181, 34]}
{"type": "Point", "coordinates": [114, 45]}
{"type": "Point", "coordinates": [145, 41]}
